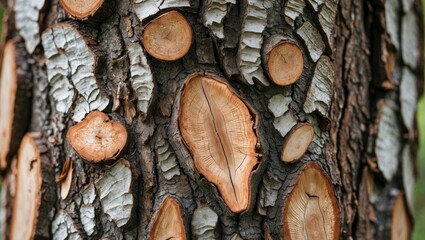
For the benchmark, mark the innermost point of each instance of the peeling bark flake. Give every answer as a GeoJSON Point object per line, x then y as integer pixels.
{"type": "Point", "coordinates": [407, 5]}
{"type": "Point", "coordinates": [271, 190]}
{"type": "Point", "coordinates": [312, 39]}
{"type": "Point", "coordinates": [388, 142]}
{"type": "Point", "coordinates": [70, 63]}
{"type": "Point", "coordinates": [63, 227]}
{"type": "Point", "coordinates": [146, 8]}
{"type": "Point", "coordinates": [327, 18]}
{"type": "Point", "coordinates": [392, 20]}
{"type": "Point", "coordinates": [316, 4]}
{"type": "Point", "coordinates": [167, 159]}
{"type": "Point", "coordinates": [409, 39]}
{"type": "Point", "coordinates": [204, 223]}
{"type": "Point", "coordinates": [251, 40]}
{"type": "Point", "coordinates": [141, 78]}
{"type": "Point", "coordinates": [293, 9]}
{"type": "Point", "coordinates": [215, 11]}
{"type": "Point", "coordinates": [114, 189]}
{"type": "Point", "coordinates": [319, 95]}
{"type": "Point", "coordinates": [319, 139]}
{"type": "Point", "coordinates": [408, 98]}
{"type": "Point", "coordinates": [27, 14]}
{"type": "Point", "coordinates": [284, 119]}
{"type": "Point", "coordinates": [87, 211]}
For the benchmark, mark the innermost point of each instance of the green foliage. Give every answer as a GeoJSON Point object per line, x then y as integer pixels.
{"type": "Point", "coordinates": [419, 212]}
{"type": "Point", "coordinates": [419, 233]}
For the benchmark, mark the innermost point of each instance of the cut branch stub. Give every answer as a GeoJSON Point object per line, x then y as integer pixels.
{"type": "Point", "coordinates": [15, 102]}
{"type": "Point", "coordinates": [168, 223]}
{"type": "Point", "coordinates": [34, 193]}
{"type": "Point", "coordinates": [168, 37]}
{"type": "Point", "coordinates": [401, 226]}
{"type": "Point", "coordinates": [88, 9]}
{"type": "Point", "coordinates": [297, 142]}
{"type": "Point", "coordinates": [97, 138]}
{"type": "Point", "coordinates": [284, 60]}
{"type": "Point", "coordinates": [65, 178]}
{"type": "Point", "coordinates": [312, 210]}
{"type": "Point", "coordinates": [217, 127]}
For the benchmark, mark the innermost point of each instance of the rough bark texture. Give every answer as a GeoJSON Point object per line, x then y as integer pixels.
{"type": "Point", "coordinates": [360, 78]}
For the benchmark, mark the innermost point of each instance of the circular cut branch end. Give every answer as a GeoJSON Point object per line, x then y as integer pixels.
{"type": "Point", "coordinates": [285, 63]}
{"type": "Point", "coordinates": [312, 210]}
{"type": "Point", "coordinates": [8, 88]}
{"type": "Point", "coordinates": [168, 37]}
{"type": "Point", "coordinates": [296, 142]}
{"type": "Point", "coordinates": [28, 190]}
{"type": "Point", "coordinates": [97, 138]}
{"type": "Point", "coordinates": [217, 127]}
{"type": "Point", "coordinates": [168, 222]}
{"type": "Point", "coordinates": [401, 226]}
{"type": "Point", "coordinates": [82, 9]}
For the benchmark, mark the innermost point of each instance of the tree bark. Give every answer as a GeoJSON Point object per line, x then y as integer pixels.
{"type": "Point", "coordinates": [250, 119]}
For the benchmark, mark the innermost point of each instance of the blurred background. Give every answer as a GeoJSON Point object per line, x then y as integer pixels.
{"type": "Point", "coordinates": [419, 233]}
{"type": "Point", "coordinates": [419, 213]}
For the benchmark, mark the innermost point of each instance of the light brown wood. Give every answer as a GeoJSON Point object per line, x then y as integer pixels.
{"type": "Point", "coordinates": [168, 222]}
{"type": "Point", "coordinates": [401, 226]}
{"type": "Point", "coordinates": [217, 127]}
{"type": "Point", "coordinates": [14, 98]}
{"type": "Point", "coordinates": [296, 142]}
{"type": "Point", "coordinates": [285, 63]}
{"type": "Point", "coordinates": [97, 138]}
{"type": "Point", "coordinates": [30, 197]}
{"type": "Point", "coordinates": [82, 9]}
{"type": "Point", "coordinates": [65, 178]}
{"type": "Point", "coordinates": [168, 37]}
{"type": "Point", "coordinates": [312, 210]}
{"type": "Point", "coordinates": [8, 88]}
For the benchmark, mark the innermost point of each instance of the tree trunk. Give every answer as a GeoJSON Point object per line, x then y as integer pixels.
{"type": "Point", "coordinates": [209, 119]}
